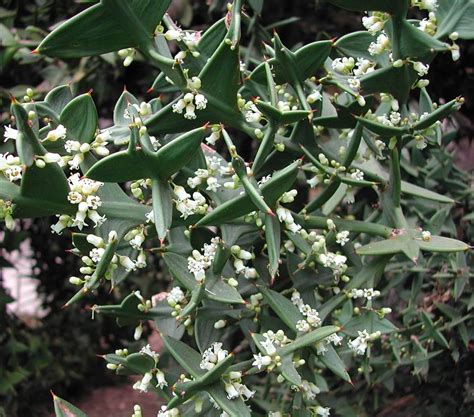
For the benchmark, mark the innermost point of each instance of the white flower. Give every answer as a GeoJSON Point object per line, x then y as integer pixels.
{"type": "Point", "coordinates": [269, 347]}
{"type": "Point", "coordinates": [179, 106]}
{"type": "Point", "coordinates": [212, 356]}
{"type": "Point", "coordinates": [303, 326]}
{"type": "Point", "coordinates": [426, 235]}
{"type": "Point", "coordinates": [261, 361]}
{"type": "Point", "coordinates": [143, 384]}
{"type": "Point", "coordinates": [10, 133]}
{"type": "Point", "coordinates": [342, 237]}
{"type": "Point", "coordinates": [354, 83]}
{"type": "Point", "coordinates": [370, 293]}
{"type": "Point", "coordinates": [430, 5]}
{"type": "Point", "coordinates": [231, 391]}
{"type": "Point", "coordinates": [212, 184]}
{"type": "Point", "coordinates": [200, 101]}
{"type": "Point", "coordinates": [174, 34]}
{"type": "Point", "coordinates": [363, 66]}
{"type": "Point", "coordinates": [175, 296]}
{"type": "Point", "coordinates": [314, 96]}
{"type": "Point", "coordinates": [421, 68]}
{"type": "Point", "coordinates": [160, 378]}
{"type": "Point", "coordinates": [147, 350]}
{"type": "Point", "coordinates": [344, 65]}
{"type": "Point", "coordinates": [323, 411]}
{"type": "Point", "coordinates": [381, 45]}
{"type": "Point", "coordinates": [374, 23]}
{"type": "Point", "coordinates": [359, 344]}
{"type": "Point", "coordinates": [190, 114]}
{"type": "Point", "coordinates": [310, 390]}
{"type": "Point", "coordinates": [55, 134]}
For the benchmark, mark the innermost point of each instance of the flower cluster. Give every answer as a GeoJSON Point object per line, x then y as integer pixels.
{"type": "Point", "coordinates": [191, 101]}
{"type": "Point", "coordinates": [78, 149]}
{"type": "Point", "coordinates": [188, 205]}
{"type": "Point", "coordinates": [361, 342]}
{"type": "Point", "coordinates": [212, 356]}
{"type": "Point", "coordinates": [312, 316]}
{"type": "Point", "coordinates": [11, 167]}
{"type": "Point", "coordinates": [234, 387]}
{"type": "Point", "coordinates": [83, 194]}
{"type": "Point", "coordinates": [199, 262]}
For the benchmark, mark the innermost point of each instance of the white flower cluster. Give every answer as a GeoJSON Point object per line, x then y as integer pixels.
{"type": "Point", "coordinates": [83, 194]}
{"type": "Point", "coordinates": [285, 216]}
{"type": "Point", "coordinates": [429, 25]}
{"type": "Point", "coordinates": [392, 119]}
{"type": "Point", "coordinates": [175, 297]}
{"type": "Point", "coordinates": [235, 389]}
{"type": "Point", "coordinates": [252, 113]}
{"type": "Point", "coordinates": [375, 22]}
{"type": "Point", "coordinates": [128, 55]}
{"type": "Point", "coordinates": [212, 356]}
{"type": "Point", "coordinates": [309, 389]}
{"type": "Point", "coordinates": [190, 39]}
{"type": "Point", "coordinates": [78, 149]}
{"type": "Point", "coordinates": [312, 316]}
{"type": "Point", "coordinates": [191, 101]}
{"type": "Point", "coordinates": [334, 261]}
{"type": "Point", "coordinates": [335, 339]}
{"type": "Point", "coordinates": [199, 262]}
{"type": "Point", "coordinates": [380, 46]}
{"type": "Point", "coordinates": [11, 167]}
{"type": "Point", "coordinates": [188, 205]}
{"type": "Point", "coordinates": [367, 293]}
{"type": "Point", "coordinates": [209, 175]}
{"type": "Point", "coordinates": [240, 257]}
{"type": "Point", "coordinates": [360, 343]}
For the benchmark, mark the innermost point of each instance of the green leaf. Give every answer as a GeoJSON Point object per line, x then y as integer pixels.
{"type": "Point", "coordinates": [309, 339]}
{"type": "Point", "coordinates": [440, 113]}
{"type": "Point", "coordinates": [186, 356]}
{"type": "Point", "coordinates": [380, 129]}
{"type": "Point", "coordinates": [94, 32]}
{"type": "Point", "coordinates": [455, 16]}
{"type": "Point", "coordinates": [235, 407]}
{"type": "Point", "coordinates": [134, 164]}
{"type": "Point", "coordinates": [334, 363]}
{"type": "Point", "coordinates": [62, 408]}
{"type": "Point", "coordinates": [162, 197]}
{"type": "Point", "coordinates": [280, 182]}
{"type": "Point", "coordinates": [308, 60]}
{"type": "Point", "coordinates": [282, 306]}
{"type": "Point", "coordinates": [414, 43]}
{"type": "Point", "coordinates": [80, 118]}
{"type": "Point", "coordinates": [59, 97]}
{"type": "Point", "coordinates": [418, 191]}
{"type": "Point", "coordinates": [443, 244]}
{"type": "Point", "coordinates": [370, 322]}
{"type": "Point", "coordinates": [273, 240]}
{"type": "Point", "coordinates": [126, 99]}
{"type": "Point", "coordinates": [288, 370]}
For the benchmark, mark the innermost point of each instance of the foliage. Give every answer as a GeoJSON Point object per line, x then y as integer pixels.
{"type": "Point", "coordinates": [302, 288]}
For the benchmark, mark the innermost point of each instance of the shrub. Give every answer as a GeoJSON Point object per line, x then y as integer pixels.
{"type": "Point", "coordinates": [275, 292]}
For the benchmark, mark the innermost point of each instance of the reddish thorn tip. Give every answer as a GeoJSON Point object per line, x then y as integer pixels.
{"type": "Point", "coordinates": [150, 90]}
{"type": "Point", "coordinates": [35, 51]}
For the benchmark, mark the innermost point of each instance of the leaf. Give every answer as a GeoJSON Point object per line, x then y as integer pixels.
{"type": "Point", "coordinates": [273, 240]}
{"type": "Point", "coordinates": [280, 182]}
{"type": "Point", "coordinates": [334, 363]}
{"type": "Point", "coordinates": [126, 99]}
{"type": "Point", "coordinates": [308, 60]}
{"type": "Point", "coordinates": [370, 322]}
{"type": "Point", "coordinates": [418, 191]}
{"type": "Point", "coordinates": [380, 129]}
{"type": "Point", "coordinates": [80, 118]}
{"type": "Point", "coordinates": [187, 357]}
{"type": "Point", "coordinates": [455, 16]}
{"type": "Point", "coordinates": [443, 244]}
{"type": "Point", "coordinates": [284, 308]}
{"type": "Point", "coordinates": [235, 407]}
{"type": "Point", "coordinates": [288, 370]}
{"type": "Point", "coordinates": [134, 164]}
{"type": "Point", "coordinates": [178, 267]}
{"type": "Point", "coordinates": [93, 32]}
{"type": "Point", "coordinates": [162, 198]}
{"type": "Point", "coordinates": [309, 339]}
{"type": "Point", "coordinates": [440, 113]}
{"type": "Point", "coordinates": [59, 97]}
{"type": "Point", "coordinates": [62, 408]}
{"type": "Point", "coordinates": [414, 43]}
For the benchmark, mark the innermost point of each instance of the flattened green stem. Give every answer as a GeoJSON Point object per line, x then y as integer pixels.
{"type": "Point", "coordinates": [325, 195]}
{"type": "Point", "coordinates": [353, 145]}
{"type": "Point", "coordinates": [356, 226]}
{"type": "Point", "coordinates": [395, 187]}
{"type": "Point", "coordinates": [265, 147]}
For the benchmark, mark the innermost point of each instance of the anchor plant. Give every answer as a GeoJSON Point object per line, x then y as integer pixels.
{"type": "Point", "coordinates": [274, 289]}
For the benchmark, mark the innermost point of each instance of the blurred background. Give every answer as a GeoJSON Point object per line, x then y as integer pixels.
{"type": "Point", "coordinates": [43, 347]}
